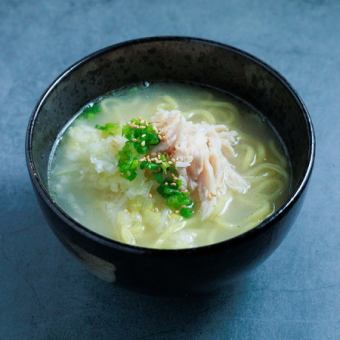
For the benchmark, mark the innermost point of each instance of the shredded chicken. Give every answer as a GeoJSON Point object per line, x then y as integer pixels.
{"type": "Point", "coordinates": [201, 152]}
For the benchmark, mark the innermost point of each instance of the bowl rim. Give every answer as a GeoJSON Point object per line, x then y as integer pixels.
{"type": "Point", "coordinates": [110, 243]}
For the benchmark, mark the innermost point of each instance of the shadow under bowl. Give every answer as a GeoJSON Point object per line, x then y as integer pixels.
{"type": "Point", "coordinates": [180, 59]}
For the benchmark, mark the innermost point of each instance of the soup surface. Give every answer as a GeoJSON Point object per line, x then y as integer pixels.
{"type": "Point", "coordinates": [228, 169]}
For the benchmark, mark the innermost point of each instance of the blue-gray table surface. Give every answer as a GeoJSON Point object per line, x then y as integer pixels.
{"type": "Point", "coordinates": [45, 294]}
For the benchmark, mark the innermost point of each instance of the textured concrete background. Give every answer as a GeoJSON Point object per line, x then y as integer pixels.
{"type": "Point", "coordinates": [45, 294]}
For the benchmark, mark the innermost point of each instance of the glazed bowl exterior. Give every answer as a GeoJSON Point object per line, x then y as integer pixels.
{"type": "Point", "coordinates": [179, 59]}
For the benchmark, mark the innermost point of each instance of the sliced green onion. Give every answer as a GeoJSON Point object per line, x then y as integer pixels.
{"type": "Point", "coordinates": [91, 111]}
{"type": "Point", "coordinates": [110, 129]}
{"type": "Point", "coordinates": [141, 136]}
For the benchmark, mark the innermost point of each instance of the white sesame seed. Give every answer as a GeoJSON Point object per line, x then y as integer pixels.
{"type": "Point", "coordinates": [209, 195]}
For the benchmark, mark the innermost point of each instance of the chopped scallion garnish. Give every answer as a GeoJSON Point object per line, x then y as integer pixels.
{"type": "Point", "coordinates": [111, 129]}
{"type": "Point", "coordinates": [141, 136]}
{"type": "Point", "coordinates": [91, 111]}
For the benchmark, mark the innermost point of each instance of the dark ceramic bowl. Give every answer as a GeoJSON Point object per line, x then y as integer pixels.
{"type": "Point", "coordinates": [179, 59]}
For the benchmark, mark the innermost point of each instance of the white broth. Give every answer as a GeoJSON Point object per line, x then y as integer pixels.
{"type": "Point", "coordinates": [85, 181]}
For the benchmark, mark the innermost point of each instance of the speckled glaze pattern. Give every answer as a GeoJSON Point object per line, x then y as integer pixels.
{"type": "Point", "coordinates": [176, 59]}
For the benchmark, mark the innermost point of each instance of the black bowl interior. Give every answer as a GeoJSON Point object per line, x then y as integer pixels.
{"type": "Point", "coordinates": [176, 59]}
